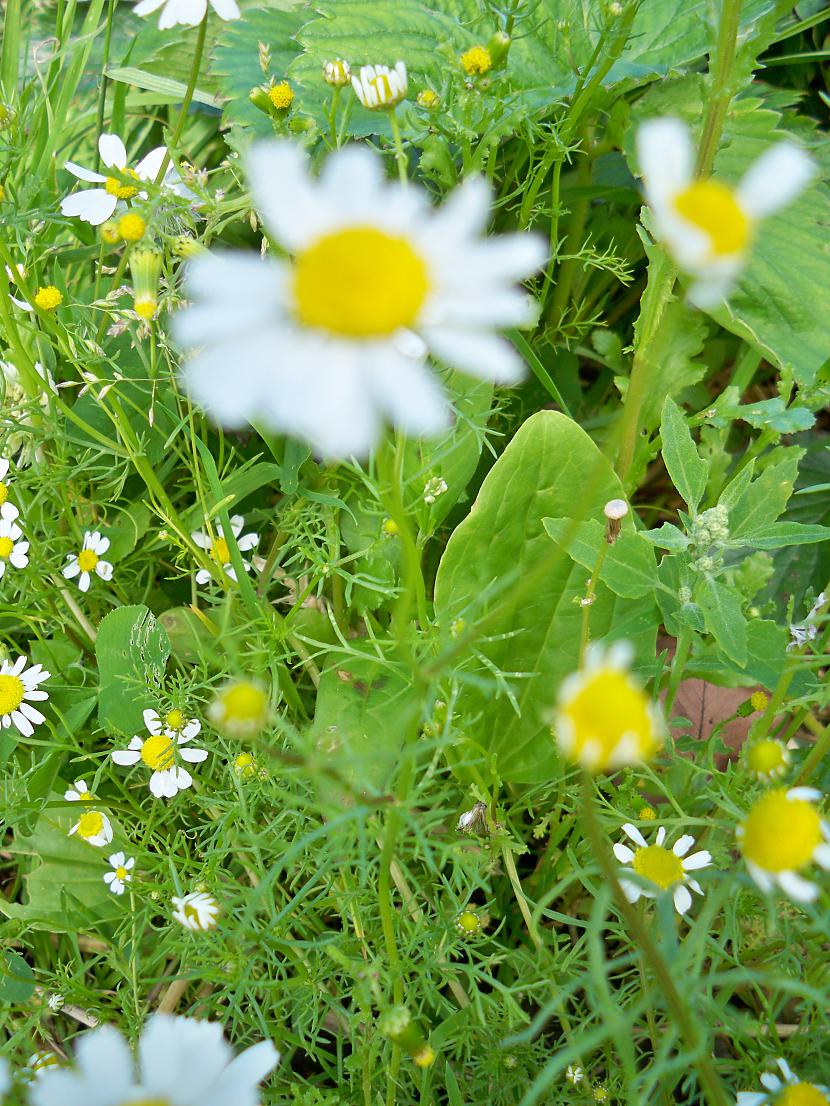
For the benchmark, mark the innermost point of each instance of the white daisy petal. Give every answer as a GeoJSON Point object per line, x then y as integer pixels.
{"type": "Point", "coordinates": [631, 831]}
{"type": "Point", "coordinates": [697, 860]}
{"type": "Point", "coordinates": [775, 179]}
{"type": "Point", "coordinates": [112, 150]}
{"type": "Point", "coordinates": [682, 845]}
{"type": "Point", "coordinates": [665, 155]}
{"type": "Point", "coordinates": [797, 888]}
{"type": "Point", "coordinates": [682, 899]}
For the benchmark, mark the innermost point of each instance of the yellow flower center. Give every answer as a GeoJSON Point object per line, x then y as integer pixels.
{"type": "Point", "coordinates": [281, 96]}
{"type": "Point", "coordinates": [6, 546]}
{"type": "Point", "coordinates": [117, 188]}
{"type": "Point", "coordinates": [244, 764]}
{"type": "Point", "coordinates": [145, 307]}
{"type": "Point", "coordinates": [428, 98]}
{"type": "Point", "coordinates": [11, 693]}
{"type": "Point", "coordinates": [157, 752]}
{"type": "Point", "coordinates": [4, 493]}
{"type": "Point", "coordinates": [424, 1057]}
{"type": "Point", "coordinates": [607, 708]}
{"type": "Point", "coordinates": [659, 865]}
{"type": "Point", "coordinates": [109, 232]}
{"type": "Point", "coordinates": [766, 756]}
{"type": "Point", "coordinates": [48, 298]}
{"type": "Point", "coordinates": [174, 719]}
{"type": "Point", "coordinates": [121, 872]}
{"type": "Point", "coordinates": [87, 560]}
{"type": "Point", "coordinates": [647, 814]}
{"type": "Point", "coordinates": [468, 922]}
{"type": "Point", "coordinates": [220, 552]}
{"type": "Point", "coordinates": [801, 1094]}
{"type": "Point", "coordinates": [131, 227]}
{"type": "Point", "coordinates": [360, 283]}
{"type": "Point", "coordinates": [759, 700]}
{"type": "Point", "coordinates": [713, 208]}
{"type": "Point", "coordinates": [90, 824]}
{"type": "Point", "coordinates": [244, 702]}
{"type": "Point", "coordinates": [781, 834]}
{"type": "Point", "coordinates": [476, 60]}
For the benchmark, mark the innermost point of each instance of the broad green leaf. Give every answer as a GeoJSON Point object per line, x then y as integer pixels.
{"type": "Point", "coordinates": [132, 651]}
{"type": "Point", "coordinates": [724, 618]}
{"type": "Point", "coordinates": [687, 469]}
{"type": "Point", "coordinates": [800, 567]}
{"type": "Point", "coordinates": [773, 414]}
{"type": "Point", "coordinates": [779, 535]}
{"type": "Point", "coordinates": [549, 467]}
{"type": "Point", "coordinates": [17, 980]}
{"type": "Point", "coordinates": [628, 567]}
{"type": "Point", "coordinates": [167, 90]}
{"type": "Point", "coordinates": [668, 537]}
{"type": "Point", "coordinates": [764, 499]}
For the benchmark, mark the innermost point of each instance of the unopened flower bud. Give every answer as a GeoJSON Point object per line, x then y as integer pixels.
{"type": "Point", "coordinates": [337, 73]}
{"type": "Point", "coordinates": [498, 47]}
{"type": "Point", "coordinates": [396, 1023]}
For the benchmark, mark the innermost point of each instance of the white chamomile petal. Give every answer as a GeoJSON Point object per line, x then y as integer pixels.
{"type": "Point", "coordinates": [775, 179]}
{"type": "Point", "coordinates": [112, 150]}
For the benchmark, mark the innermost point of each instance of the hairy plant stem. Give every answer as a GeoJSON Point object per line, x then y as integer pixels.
{"type": "Point", "coordinates": [400, 153]}
{"type": "Point", "coordinates": [652, 958]}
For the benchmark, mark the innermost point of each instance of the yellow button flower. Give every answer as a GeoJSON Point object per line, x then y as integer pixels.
{"type": "Point", "coordinates": [476, 61]}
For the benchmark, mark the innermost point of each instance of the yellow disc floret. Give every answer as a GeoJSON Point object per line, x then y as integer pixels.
{"type": "Point", "coordinates": [6, 546]}
{"type": "Point", "coordinates": [767, 758]}
{"type": "Point", "coordinates": [244, 765]}
{"type": "Point", "coordinates": [121, 872]}
{"type": "Point", "coordinates": [659, 865]}
{"type": "Point", "coordinates": [758, 700]}
{"type": "Point", "coordinates": [281, 96]}
{"type": "Point", "coordinates": [117, 188]}
{"type": "Point", "coordinates": [476, 60]}
{"type": "Point", "coordinates": [606, 721]}
{"type": "Point", "coordinates": [11, 693]}
{"type": "Point", "coordinates": [174, 719]}
{"type": "Point", "coordinates": [90, 824]}
{"type": "Point", "coordinates": [157, 752]}
{"type": "Point", "coordinates": [802, 1094]}
{"type": "Point", "coordinates": [87, 560]}
{"type": "Point", "coordinates": [713, 208]}
{"type": "Point", "coordinates": [360, 283]}
{"type": "Point", "coordinates": [131, 226]}
{"type": "Point", "coordinates": [468, 923]}
{"type": "Point", "coordinates": [240, 709]}
{"type": "Point", "coordinates": [220, 552]}
{"type": "Point", "coordinates": [428, 98]}
{"type": "Point", "coordinates": [780, 833]}
{"type": "Point", "coordinates": [647, 814]}
{"type": "Point", "coordinates": [48, 298]}
{"type": "Point", "coordinates": [146, 307]}
{"type": "Point", "coordinates": [4, 493]}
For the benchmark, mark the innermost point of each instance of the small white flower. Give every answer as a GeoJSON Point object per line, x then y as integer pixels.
{"type": "Point", "coordinates": [159, 752]}
{"type": "Point", "coordinates": [121, 873]}
{"type": "Point", "coordinates": [328, 343]}
{"type": "Point", "coordinates": [218, 548]}
{"type": "Point", "coordinates": [337, 73]}
{"type": "Point", "coordinates": [96, 205]}
{"type": "Point", "coordinates": [812, 1094]}
{"type": "Point", "coordinates": [708, 225]}
{"type": "Point", "coordinates": [174, 721]}
{"type": "Point", "coordinates": [574, 1074]}
{"type": "Point", "coordinates": [12, 549]}
{"type": "Point", "coordinates": [94, 827]}
{"type": "Point", "coordinates": [55, 1002]}
{"type": "Point", "coordinates": [782, 834]}
{"type": "Point", "coordinates": [434, 488]}
{"type": "Point", "coordinates": [659, 868]}
{"type": "Point", "coordinates": [88, 560]}
{"type": "Point", "coordinates": [180, 1060]}
{"type": "Point", "coordinates": [378, 86]}
{"type": "Point", "coordinates": [79, 793]}
{"type": "Point", "coordinates": [18, 690]}
{"type": "Point", "coordinates": [806, 631]}
{"type": "Point", "coordinates": [197, 911]}
{"type": "Point", "coordinates": [188, 12]}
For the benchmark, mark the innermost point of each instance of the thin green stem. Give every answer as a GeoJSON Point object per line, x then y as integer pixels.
{"type": "Point", "coordinates": [102, 95]}
{"type": "Point", "coordinates": [400, 153]}
{"type": "Point", "coordinates": [721, 91]}
{"type": "Point", "coordinates": [188, 97]}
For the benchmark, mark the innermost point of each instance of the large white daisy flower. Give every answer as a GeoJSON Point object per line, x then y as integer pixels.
{"type": "Point", "coordinates": [88, 560]}
{"type": "Point", "coordinates": [801, 1093]}
{"type": "Point", "coordinates": [96, 205]}
{"type": "Point", "coordinates": [12, 549]}
{"type": "Point", "coordinates": [326, 344]}
{"type": "Point", "coordinates": [782, 834]}
{"type": "Point", "coordinates": [121, 874]}
{"type": "Point", "coordinates": [660, 869]}
{"type": "Point", "coordinates": [18, 690]}
{"type": "Point", "coordinates": [181, 1062]}
{"type": "Point", "coordinates": [218, 547]}
{"type": "Point", "coordinates": [159, 752]}
{"type": "Point", "coordinates": [189, 12]}
{"type": "Point", "coordinates": [707, 225]}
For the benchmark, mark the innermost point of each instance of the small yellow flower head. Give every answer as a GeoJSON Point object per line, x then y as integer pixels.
{"type": "Point", "coordinates": [468, 923]}
{"type": "Point", "coordinates": [145, 307]}
{"type": "Point", "coordinates": [109, 232]}
{"type": "Point", "coordinates": [647, 814]}
{"type": "Point", "coordinates": [424, 1057]}
{"type": "Point", "coordinates": [281, 96]}
{"type": "Point", "coordinates": [428, 98]}
{"type": "Point", "coordinates": [337, 73]}
{"type": "Point", "coordinates": [759, 700]}
{"type": "Point", "coordinates": [48, 298]}
{"type": "Point", "coordinates": [599, 1094]}
{"type": "Point", "coordinates": [131, 226]}
{"type": "Point", "coordinates": [390, 527]}
{"type": "Point", "coordinates": [476, 61]}
{"type": "Point", "coordinates": [244, 765]}
{"type": "Point", "coordinates": [767, 759]}
{"type": "Point", "coordinates": [119, 189]}
{"type": "Point", "coordinates": [782, 834]}
{"type": "Point", "coordinates": [240, 709]}
{"type": "Point", "coordinates": [604, 720]}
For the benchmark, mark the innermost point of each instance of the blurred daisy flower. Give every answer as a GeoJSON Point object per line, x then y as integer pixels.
{"type": "Point", "coordinates": [18, 690]}
{"type": "Point", "coordinates": [767, 759]}
{"type": "Point", "coordinates": [174, 721]}
{"type": "Point", "coordinates": [709, 225]}
{"type": "Point", "coordinates": [782, 834]}
{"type": "Point", "coordinates": [121, 873]}
{"type": "Point", "coordinates": [604, 719]}
{"type": "Point", "coordinates": [788, 1090]}
{"type": "Point", "coordinates": [180, 1060]}
{"type": "Point", "coordinates": [96, 205]}
{"type": "Point", "coordinates": [159, 752]}
{"type": "Point", "coordinates": [240, 709]}
{"type": "Point", "coordinates": [327, 344]}
{"type": "Point", "coordinates": [197, 911]}
{"type": "Point", "coordinates": [94, 827]}
{"type": "Point", "coordinates": [188, 12]}
{"type": "Point", "coordinates": [5, 465]}
{"type": "Point", "coordinates": [88, 560]}
{"type": "Point", "coordinates": [218, 548]}
{"type": "Point", "coordinates": [660, 868]}
{"type": "Point", "coordinates": [12, 549]}
{"type": "Point", "coordinates": [378, 86]}
{"type": "Point", "coordinates": [38, 1064]}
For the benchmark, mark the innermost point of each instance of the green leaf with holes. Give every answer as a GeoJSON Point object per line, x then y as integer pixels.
{"type": "Point", "coordinates": [132, 650]}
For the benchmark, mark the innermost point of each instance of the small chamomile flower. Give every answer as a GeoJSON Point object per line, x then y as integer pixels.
{"type": "Point", "coordinates": [174, 721]}
{"type": "Point", "coordinates": [476, 61]}
{"type": "Point", "coordinates": [659, 868]}
{"type": "Point", "coordinates": [281, 96]}
{"type": "Point", "coordinates": [240, 709]}
{"type": "Point", "coordinates": [767, 759]}
{"type": "Point", "coordinates": [709, 225]}
{"type": "Point", "coordinates": [159, 752]}
{"type": "Point", "coordinates": [574, 1074]}
{"type": "Point", "coordinates": [604, 719]}
{"type": "Point", "coordinates": [197, 911]}
{"type": "Point", "coordinates": [337, 73]}
{"type": "Point", "coordinates": [180, 1060]}
{"type": "Point", "coordinates": [94, 827]}
{"type": "Point", "coordinates": [218, 548]}
{"type": "Point", "coordinates": [88, 560]}
{"type": "Point", "coordinates": [18, 690]}
{"type": "Point", "coordinates": [121, 873]}
{"type": "Point", "coordinates": [781, 835]}
{"type": "Point", "coordinates": [188, 12]}
{"type": "Point", "coordinates": [12, 550]}
{"type": "Point", "coordinates": [378, 86]}
{"type": "Point", "coordinates": [468, 922]}
{"type": "Point", "coordinates": [788, 1090]}
{"type": "Point", "coordinates": [244, 765]}
{"type": "Point", "coordinates": [55, 1002]}
{"type": "Point", "coordinates": [78, 793]}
